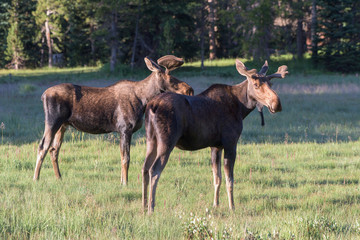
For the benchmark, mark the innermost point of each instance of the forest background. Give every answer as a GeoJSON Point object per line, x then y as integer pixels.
{"type": "Point", "coordinates": [64, 33]}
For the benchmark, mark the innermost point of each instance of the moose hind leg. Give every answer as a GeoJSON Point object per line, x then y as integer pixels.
{"type": "Point", "coordinates": [155, 172]}
{"type": "Point", "coordinates": [216, 168]}
{"type": "Point", "coordinates": [149, 160]}
{"type": "Point", "coordinates": [55, 148]}
{"type": "Point", "coordinates": [44, 145]}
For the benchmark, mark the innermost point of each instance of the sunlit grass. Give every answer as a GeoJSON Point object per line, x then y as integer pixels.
{"type": "Point", "coordinates": [40, 71]}
{"type": "Point", "coordinates": [295, 178]}
{"type": "Point", "coordinates": [214, 63]}
{"type": "Point", "coordinates": [279, 189]}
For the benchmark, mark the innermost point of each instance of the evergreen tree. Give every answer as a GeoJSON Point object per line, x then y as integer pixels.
{"type": "Point", "coordinates": [15, 48]}
{"type": "Point", "coordinates": [339, 48]}
{"type": "Point", "coordinates": [5, 5]}
{"type": "Point", "coordinates": [49, 15]}
{"type": "Point", "coordinates": [80, 40]}
{"type": "Point", "coordinates": [258, 19]}
{"type": "Point", "coordinates": [27, 26]}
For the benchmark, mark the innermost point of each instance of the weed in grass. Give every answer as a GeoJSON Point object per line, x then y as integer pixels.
{"type": "Point", "coordinates": [2, 127]}
{"type": "Point", "coordinates": [203, 227]}
{"type": "Point", "coordinates": [324, 228]}
{"type": "Point", "coordinates": [26, 88]}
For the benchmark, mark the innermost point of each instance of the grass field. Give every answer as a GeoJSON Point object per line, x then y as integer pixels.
{"type": "Point", "coordinates": [296, 178]}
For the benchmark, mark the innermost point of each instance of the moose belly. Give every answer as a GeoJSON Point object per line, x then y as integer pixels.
{"type": "Point", "coordinates": [197, 142]}
{"type": "Point", "coordinates": [92, 124]}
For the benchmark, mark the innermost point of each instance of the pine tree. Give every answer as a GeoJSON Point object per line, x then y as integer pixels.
{"type": "Point", "coordinates": [49, 15]}
{"type": "Point", "coordinates": [258, 19]}
{"type": "Point", "coordinates": [4, 28]}
{"type": "Point", "coordinates": [339, 21]}
{"type": "Point", "coordinates": [15, 49]}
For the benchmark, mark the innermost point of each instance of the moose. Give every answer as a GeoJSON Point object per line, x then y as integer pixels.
{"type": "Point", "coordinates": [117, 108]}
{"type": "Point", "coordinates": [213, 118]}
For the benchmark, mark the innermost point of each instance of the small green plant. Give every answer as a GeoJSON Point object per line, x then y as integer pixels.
{"type": "Point", "coordinates": [26, 88]}
{"type": "Point", "coordinates": [323, 227]}
{"type": "Point", "coordinates": [197, 227]}
{"type": "Point", "coordinates": [2, 127]}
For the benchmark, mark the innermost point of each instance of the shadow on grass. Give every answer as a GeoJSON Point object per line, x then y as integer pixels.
{"type": "Point", "coordinates": [317, 118]}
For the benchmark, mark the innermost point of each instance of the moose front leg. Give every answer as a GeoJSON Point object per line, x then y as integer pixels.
{"type": "Point", "coordinates": [125, 141]}
{"type": "Point", "coordinates": [216, 168]}
{"type": "Point", "coordinates": [229, 162]}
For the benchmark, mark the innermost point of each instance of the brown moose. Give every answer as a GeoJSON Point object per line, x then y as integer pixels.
{"type": "Point", "coordinates": [211, 119]}
{"type": "Point", "coordinates": [116, 108]}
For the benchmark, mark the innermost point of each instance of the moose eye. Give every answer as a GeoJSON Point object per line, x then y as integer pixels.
{"type": "Point", "coordinates": [257, 84]}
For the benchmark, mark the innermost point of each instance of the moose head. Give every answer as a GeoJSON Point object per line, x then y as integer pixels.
{"type": "Point", "coordinates": [166, 82]}
{"type": "Point", "coordinates": [259, 87]}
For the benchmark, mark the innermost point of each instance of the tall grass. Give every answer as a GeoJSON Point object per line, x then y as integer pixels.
{"type": "Point", "coordinates": [303, 190]}
{"type": "Point", "coordinates": [295, 178]}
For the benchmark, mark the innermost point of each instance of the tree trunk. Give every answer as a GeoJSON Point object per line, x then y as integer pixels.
{"type": "Point", "coordinates": [92, 43]}
{"type": "Point", "coordinates": [202, 50]}
{"type": "Point", "coordinates": [202, 35]}
{"type": "Point", "coordinates": [313, 31]}
{"type": "Point", "coordinates": [48, 38]}
{"type": "Point", "coordinates": [212, 44]}
{"type": "Point", "coordinates": [16, 60]}
{"type": "Point", "coordinates": [299, 39]}
{"type": "Point", "coordinates": [93, 49]}
{"type": "Point", "coordinates": [113, 42]}
{"type": "Point", "coordinates": [135, 39]}
{"type": "Point", "coordinates": [42, 52]}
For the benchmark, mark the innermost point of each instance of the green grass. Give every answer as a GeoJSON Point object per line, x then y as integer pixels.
{"type": "Point", "coordinates": [47, 75]}
{"type": "Point", "coordinates": [278, 187]}
{"type": "Point", "coordinates": [295, 178]}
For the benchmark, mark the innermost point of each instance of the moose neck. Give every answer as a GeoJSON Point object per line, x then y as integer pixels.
{"type": "Point", "coordinates": [148, 88]}
{"type": "Point", "coordinates": [247, 103]}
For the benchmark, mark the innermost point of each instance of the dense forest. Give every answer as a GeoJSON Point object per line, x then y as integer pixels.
{"type": "Point", "coordinates": [65, 33]}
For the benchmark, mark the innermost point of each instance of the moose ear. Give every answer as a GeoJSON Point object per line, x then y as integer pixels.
{"type": "Point", "coordinates": [240, 67]}
{"type": "Point", "coordinates": [170, 62]}
{"type": "Point", "coordinates": [152, 66]}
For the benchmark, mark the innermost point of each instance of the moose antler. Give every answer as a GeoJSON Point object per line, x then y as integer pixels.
{"type": "Point", "coordinates": [281, 72]}
{"type": "Point", "coordinates": [264, 68]}
{"type": "Point", "coordinates": [170, 62]}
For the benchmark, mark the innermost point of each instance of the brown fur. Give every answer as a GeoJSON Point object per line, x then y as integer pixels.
{"type": "Point", "coordinates": [116, 108]}
{"type": "Point", "coordinates": [211, 119]}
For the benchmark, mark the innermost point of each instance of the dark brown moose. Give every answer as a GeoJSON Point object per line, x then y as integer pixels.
{"type": "Point", "coordinates": [211, 119]}
{"type": "Point", "coordinates": [116, 108]}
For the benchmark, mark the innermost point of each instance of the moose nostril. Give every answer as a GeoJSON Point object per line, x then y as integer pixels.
{"type": "Point", "coordinates": [276, 106]}
{"type": "Point", "coordinates": [190, 92]}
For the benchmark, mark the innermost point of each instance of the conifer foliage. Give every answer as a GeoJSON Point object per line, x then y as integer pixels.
{"type": "Point", "coordinates": [65, 33]}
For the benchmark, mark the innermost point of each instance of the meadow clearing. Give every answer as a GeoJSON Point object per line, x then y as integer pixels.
{"type": "Point", "coordinates": [295, 178]}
